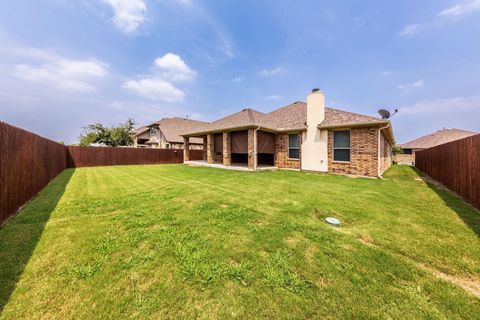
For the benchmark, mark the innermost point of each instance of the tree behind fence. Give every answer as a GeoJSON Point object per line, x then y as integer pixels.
{"type": "Point", "coordinates": [456, 165]}
{"type": "Point", "coordinates": [29, 162]}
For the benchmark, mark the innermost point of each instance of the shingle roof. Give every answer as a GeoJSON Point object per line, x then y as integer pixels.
{"type": "Point", "coordinates": [437, 138]}
{"type": "Point", "coordinates": [174, 128]}
{"type": "Point", "coordinates": [290, 117]}
{"type": "Point", "coordinates": [335, 117]}
{"type": "Point", "coordinates": [140, 130]}
{"type": "Point", "coordinates": [244, 118]}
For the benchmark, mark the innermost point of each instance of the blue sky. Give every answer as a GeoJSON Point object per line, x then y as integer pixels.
{"type": "Point", "coordinates": [65, 64]}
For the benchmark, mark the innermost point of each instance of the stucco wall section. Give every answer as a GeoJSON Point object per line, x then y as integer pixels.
{"type": "Point", "coordinates": [281, 153]}
{"type": "Point", "coordinates": [363, 153]}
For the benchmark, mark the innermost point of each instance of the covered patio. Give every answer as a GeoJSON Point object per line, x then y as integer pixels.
{"type": "Point", "coordinates": [241, 149]}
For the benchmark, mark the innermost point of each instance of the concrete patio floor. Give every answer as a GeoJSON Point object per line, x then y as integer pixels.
{"type": "Point", "coordinates": [234, 166]}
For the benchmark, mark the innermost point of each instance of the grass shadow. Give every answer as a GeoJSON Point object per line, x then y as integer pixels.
{"type": "Point", "coordinates": [467, 212]}
{"type": "Point", "coordinates": [19, 237]}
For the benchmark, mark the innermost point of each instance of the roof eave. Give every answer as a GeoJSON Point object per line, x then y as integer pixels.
{"type": "Point", "coordinates": [263, 128]}
{"type": "Point", "coordinates": [354, 124]}
{"type": "Point", "coordinates": [379, 123]}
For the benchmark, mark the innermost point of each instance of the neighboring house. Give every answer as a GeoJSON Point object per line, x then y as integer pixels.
{"type": "Point", "coordinates": [166, 134]}
{"type": "Point", "coordinates": [429, 141]}
{"type": "Point", "coordinates": [306, 136]}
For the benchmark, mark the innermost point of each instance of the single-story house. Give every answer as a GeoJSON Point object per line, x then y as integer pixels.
{"type": "Point", "coordinates": [304, 136]}
{"type": "Point", "coordinates": [167, 134]}
{"type": "Point", "coordinates": [429, 141]}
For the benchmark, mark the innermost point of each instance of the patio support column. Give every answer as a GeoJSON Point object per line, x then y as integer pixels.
{"type": "Point", "coordinates": [186, 149]}
{"type": "Point", "coordinates": [210, 146]}
{"type": "Point", "coordinates": [227, 161]}
{"type": "Point", "coordinates": [205, 148]}
{"type": "Point", "coordinates": [252, 157]}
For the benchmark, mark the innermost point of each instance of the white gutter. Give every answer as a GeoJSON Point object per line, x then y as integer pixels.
{"type": "Point", "coordinates": [378, 148]}
{"type": "Point", "coordinates": [255, 160]}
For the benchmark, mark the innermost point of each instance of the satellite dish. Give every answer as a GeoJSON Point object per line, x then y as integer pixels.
{"type": "Point", "coordinates": [385, 114]}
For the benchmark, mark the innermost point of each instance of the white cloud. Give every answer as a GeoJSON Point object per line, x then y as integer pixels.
{"type": "Point", "coordinates": [154, 89]}
{"type": "Point", "coordinates": [467, 106]}
{"type": "Point", "coordinates": [268, 72]}
{"type": "Point", "coordinates": [386, 73]}
{"type": "Point", "coordinates": [239, 79]}
{"type": "Point", "coordinates": [158, 86]}
{"type": "Point", "coordinates": [75, 75]}
{"type": "Point", "coordinates": [428, 116]}
{"type": "Point", "coordinates": [456, 11]}
{"type": "Point", "coordinates": [460, 9]}
{"type": "Point", "coordinates": [274, 97]}
{"type": "Point", "coordinates": [410, 30]}
{"type": "Point", "coordinates": [128, 14]}
{"type": "Point", "coordinates": [412, 86]}
{"type": "Point", "coordinates": [173, 68]}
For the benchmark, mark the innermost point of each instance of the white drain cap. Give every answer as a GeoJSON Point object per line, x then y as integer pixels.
{"type": "Point", "coordinates": [333, 221]}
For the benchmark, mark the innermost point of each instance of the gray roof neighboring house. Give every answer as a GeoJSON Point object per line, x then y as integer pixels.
{"type": "Point", "coordinates": [437, 138]}
{"type": "Point", "coordinates": [174, 128]}
{"type": "Point", "coordinates": [288, 118]}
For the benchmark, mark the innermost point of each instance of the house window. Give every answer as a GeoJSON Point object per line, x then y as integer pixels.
{"type": "Point", "coordinates": [341, 145]}
{"type": "Point", "coordinates": [153, 131]}
{"type": "Point", "coordinates": [168, 146]}
{"type": "Point", "coordinates": [294, 146]}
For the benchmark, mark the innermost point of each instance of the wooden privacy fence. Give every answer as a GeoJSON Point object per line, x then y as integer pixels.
{"type": "Point", "coordinates": [29, 162]}
{"type": "Point", "coordinates": [456, 165]}
{"type": "Point", "coordinates": [105, 156]}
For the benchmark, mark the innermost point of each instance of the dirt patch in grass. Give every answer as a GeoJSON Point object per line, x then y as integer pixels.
{"type": "Point", "coordinates": [366, 239]}
{"type": "Point", "coordinates": [469, 285]}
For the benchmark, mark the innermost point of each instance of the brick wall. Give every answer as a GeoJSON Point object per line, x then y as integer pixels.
{"type": "Point", "coordinates": [363, 153]}
{"type": "Point", "coordinates": [404, 158]}
{"type": "Point", "coordinates": [226, 149]}
{"type": "Point", "coordinates": [205, 146]}
{"type": "Point", "coordinates": [385, 154]}
{"type": "Point", "coordinates": [281, 153]}
{"type": "Point", "coordinates": [251, 156]}
{"type": "Point", "coordinates": [210, 146]}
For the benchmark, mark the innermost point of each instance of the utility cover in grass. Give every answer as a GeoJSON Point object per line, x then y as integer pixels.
{"type": "Point", "coordinates": [333, 221]}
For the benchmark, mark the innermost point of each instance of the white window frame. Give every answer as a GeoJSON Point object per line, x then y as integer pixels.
{"type": "Point", "coordinates": [349, 148]}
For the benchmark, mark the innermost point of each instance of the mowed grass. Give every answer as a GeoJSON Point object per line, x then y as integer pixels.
{"type": "Point", "coordinates": [175, 242]}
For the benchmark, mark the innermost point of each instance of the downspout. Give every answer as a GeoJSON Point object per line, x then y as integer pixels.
{"type": "Point", "coordinates": [255, 160]}
{"type": "Point", "coordinates": [378, 149]}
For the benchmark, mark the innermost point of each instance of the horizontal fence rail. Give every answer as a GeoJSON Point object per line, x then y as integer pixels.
{"type": "Point", "coordinates": [456, 165]}
{"type": "Point", "coordinates": [29, 162]}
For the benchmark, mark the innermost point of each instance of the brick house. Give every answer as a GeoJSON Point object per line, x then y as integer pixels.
{"type": "Point", "coordinates": [429, 141]}
{"type": "Point", "coordinates": [166, 134]}
{"type": "Point", "coordinates": [303, 136]}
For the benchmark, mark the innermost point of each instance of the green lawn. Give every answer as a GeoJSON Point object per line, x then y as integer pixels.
{"type": "Point", "coordinates": [175, 242]}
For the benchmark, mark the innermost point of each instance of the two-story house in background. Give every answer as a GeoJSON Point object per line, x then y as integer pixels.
{"type": "Point", "coordinates": [167, 134]}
